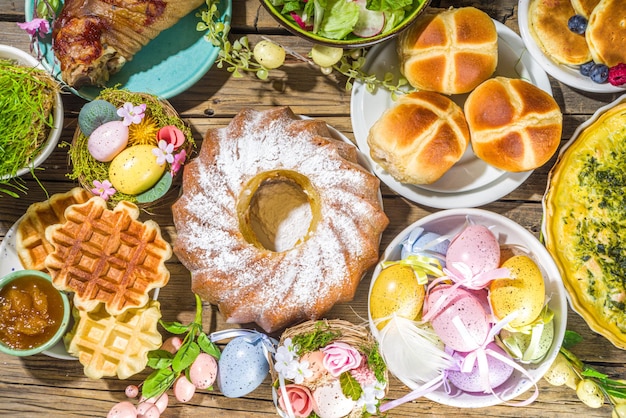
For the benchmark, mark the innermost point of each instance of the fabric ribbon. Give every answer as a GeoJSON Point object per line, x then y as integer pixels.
{"type": "Point", "coordinates": [422, 265]}
{"type": "Point", "coordinates": [478, 357]}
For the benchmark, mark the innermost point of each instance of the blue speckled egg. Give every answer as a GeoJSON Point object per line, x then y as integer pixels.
{"type": "Point", "coordinates": [242, 367]}
{"type": "Point", "coordinates": [96, 113]}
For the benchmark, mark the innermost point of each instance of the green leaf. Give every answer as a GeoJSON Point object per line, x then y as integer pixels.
{"type": "Point", "coordinates": [571, 338]}
{"type": "Point", "coordinates": [159, 359]}
{"type": "Point", "coordinates": [185, 356]}
{"type": "Point", "coordinates": [349, 386]}
{"type": "Point", "coordinates": [158, 382]}
{"type": "Point", "coordinates": [208, 346]}
{"type": "Point", "coordinates": [174, 327]}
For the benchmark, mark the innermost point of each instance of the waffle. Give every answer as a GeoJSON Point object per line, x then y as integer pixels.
{"type": "Point", "coordinates": [107, 256]}
{"type": "Point", "coordinates": [31, 243]}
{"type": "Point", "coordinates": [109, 345]}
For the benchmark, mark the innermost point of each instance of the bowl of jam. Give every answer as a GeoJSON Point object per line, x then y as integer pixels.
{"type": "Point", "coordinates": [34, 315]}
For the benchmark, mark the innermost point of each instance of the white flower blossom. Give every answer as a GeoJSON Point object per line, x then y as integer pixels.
{"type": "Point", "coordinates": [371, 395]}
{"type": "Point", "coordinates": [302, 372]}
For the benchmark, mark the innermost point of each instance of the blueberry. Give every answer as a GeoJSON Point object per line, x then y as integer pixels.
{"type": "Point", "coordinates": [599, 73]}
{"type": "Point", "coordinates": [577, 24]}
{"type": "Point", "coordinates": [585, 68]}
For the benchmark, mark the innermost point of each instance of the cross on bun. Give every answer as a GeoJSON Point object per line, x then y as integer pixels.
{"type": "Point", "coordinates": [420, 138]}
{"type": "Point", "coordinates": [514, 125]}
{"type": "Point", "coordinates": [450, 51]}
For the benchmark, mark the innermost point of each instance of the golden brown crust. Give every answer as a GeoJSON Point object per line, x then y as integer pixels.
{"type": "Point", "coordinates": [584, 7]}
{"type": "Point", "coordinates": [249, 283]}
{"type": "Point", "coordinates": [606, 32]}
{"type": "Point", "coordinates": [450, 51]}
{"type": "Point", "coordinates": [420, 138]}
{"type": "Point", "coordinates": [547, 21]}
{"type": "Point", "coordinates": [514, 125]}
{"type": "Point", "coordinates": [95, 38]}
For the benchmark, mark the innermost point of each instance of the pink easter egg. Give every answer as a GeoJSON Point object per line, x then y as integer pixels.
{"type": "Point", "coordinates": [108, 140]}
{"type": "Point", "coordinates": [203, 371]}
{"type": "Point", "coordinates": [464, 305]}
{"type": "Point", "coordinates": [477, 247]}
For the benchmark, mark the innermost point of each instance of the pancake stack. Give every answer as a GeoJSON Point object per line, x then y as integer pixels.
{"type": "Point", "coordinates": [603, 41]}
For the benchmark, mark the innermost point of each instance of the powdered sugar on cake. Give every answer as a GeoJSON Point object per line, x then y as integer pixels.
{"type": "Point", "coordinates": [276, 288]}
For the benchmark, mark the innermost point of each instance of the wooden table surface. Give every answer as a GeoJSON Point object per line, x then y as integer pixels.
{"type": "Point", "coordinates": [43, 386]}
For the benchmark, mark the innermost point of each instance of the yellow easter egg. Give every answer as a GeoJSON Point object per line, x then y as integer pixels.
{"type": "Point", "coordinates": [396, 290]}
{"type": "Point", "coordinates": [524, 292]}
{"type": "Point", "coordinates": [135, 170]}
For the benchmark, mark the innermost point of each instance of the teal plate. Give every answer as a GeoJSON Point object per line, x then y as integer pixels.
{"type": "Point", "coordinates": [170, 64]}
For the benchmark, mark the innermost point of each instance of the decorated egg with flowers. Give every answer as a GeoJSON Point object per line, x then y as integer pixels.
{"type": "Point", "coordinates": [328, 369]}
{"type": "Point", "coordinates": [129, 146]}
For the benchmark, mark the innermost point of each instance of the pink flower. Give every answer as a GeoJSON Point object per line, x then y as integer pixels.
{"type": "Point", "coordinates": [172, 135]}
{"type": "Point", "coordinates": [340, 357]}
{"type": "Point", "coordinates": [131, 113]}
{"type": "Point", "coordinates": [363, 374]}
{"type": "Point", "coordinates": [300, 399]}
{"type": "Point", "coordinates": [179, 160]}
{"type": "Point", "coordinates": [103, 189]}
{"type": "Point", "coordinates": [36, 26]}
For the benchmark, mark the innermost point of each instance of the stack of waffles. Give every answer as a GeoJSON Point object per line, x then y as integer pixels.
{"type": "Point", "coordinates": [110, 261]}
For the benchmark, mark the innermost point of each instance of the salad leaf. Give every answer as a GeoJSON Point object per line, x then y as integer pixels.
{"type": "Point", "coordinates": [393, 19]}
{"type": "Point", "coordinates": [339, 19]}
{"type": "Point", "coordinates": [389, 5]}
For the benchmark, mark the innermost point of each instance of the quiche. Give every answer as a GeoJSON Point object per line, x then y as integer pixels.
{"type": "Point", "coordinates": [585, 221]}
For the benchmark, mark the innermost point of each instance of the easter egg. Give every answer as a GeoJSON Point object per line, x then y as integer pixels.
{"type": "Point", "coordinates": [203, 371]}
{"type": "Point", "coordinates": [316, 365]}
{"type": "Point", "coordinates": [421, 242]}
{"type": "Point", "coordinates": [523, 293]}
{"type": "Point", "coordinates": [498, 372]}
{"type": "Point", "coordinates": [242, 367]}
{"type": "Point", "coordinates": [183, 389]}
{"type": "Point", "coordinates": [522, 347]}
{"type": "Point", "coordinates": [148, 410]}
{"type": "Point", "coordinates": [396, 291]}
{"type": "Point", "coordinates": [135, 170]}
{"type": "Point", "coordinates": [476, 247]}
{"type": "Point", "coordinates": [96, 113]}
{"type": "Point", "coordinates": [123, 409]}
{"type": "Point", "coordinates": [108, 140]}
{"type": "Point", "coordinates": [461, 304]}
{"type": "Point", "coordinates": [330, 402]}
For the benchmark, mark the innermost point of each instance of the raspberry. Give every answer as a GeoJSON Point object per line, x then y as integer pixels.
{"type": "Point", "coordinates": [617, 74]}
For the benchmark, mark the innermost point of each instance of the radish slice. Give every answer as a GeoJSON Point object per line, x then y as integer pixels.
{"type": "Point", "coordinates": [370, 22]}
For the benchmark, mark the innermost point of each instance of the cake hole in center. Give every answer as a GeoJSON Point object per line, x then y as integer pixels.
{"type": "Point", "coordinates": [280, 214]}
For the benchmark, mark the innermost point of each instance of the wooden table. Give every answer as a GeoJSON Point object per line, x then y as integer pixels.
{"type": "Point", "coordinates": [42, 386]}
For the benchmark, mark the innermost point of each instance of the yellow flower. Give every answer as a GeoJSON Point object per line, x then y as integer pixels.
{"type": "Point", "coordinates": [143, 133]}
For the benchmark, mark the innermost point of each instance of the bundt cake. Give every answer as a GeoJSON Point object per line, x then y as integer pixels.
{"type": "Point", "coordinates": [272, 171]}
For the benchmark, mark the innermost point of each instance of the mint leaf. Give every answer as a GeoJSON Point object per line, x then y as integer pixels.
{"type": "Point", "coordinates": [185, 356]}
{"type": "Point", "coordinates": [174, 327]}
{"type": "Point", "coordinates": [158, 382]}
{"type": "Point", "coordinates": [159, 359]}
{"type": "Point", "coordinates": [208, 346]}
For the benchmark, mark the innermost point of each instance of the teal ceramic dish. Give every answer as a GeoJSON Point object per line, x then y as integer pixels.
{"type": "Point", "coordinates": [170, 64]}
{"type": "Point", "coordinates": [351, 40]}
{"type": "Point", "coordinates": [61, 302]}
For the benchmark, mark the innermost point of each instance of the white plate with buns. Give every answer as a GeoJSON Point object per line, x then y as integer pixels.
{"type": "Point", "coordinates": [470, 182]}
{"type": "Point", "coordinates": [566, 74]}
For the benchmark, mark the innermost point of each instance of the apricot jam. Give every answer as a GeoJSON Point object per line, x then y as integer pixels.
{"type": "Point", "coordinates": [31, 312]}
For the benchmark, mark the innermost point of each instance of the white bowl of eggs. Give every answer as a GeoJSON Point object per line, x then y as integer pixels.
{"type": "Point", "coordinates": [468, 308]}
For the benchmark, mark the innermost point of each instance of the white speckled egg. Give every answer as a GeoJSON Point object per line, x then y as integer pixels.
{"type": "Point", "coordinates": [135, 170]}
{"type": "Point", "coordinates": [203, 371]}
{"type": "Point", "coordinates": [108, 140]}
{"type": "Point", "coordinates": [330, 402]}
{"type": "Point", "coordinates": [242, 367]}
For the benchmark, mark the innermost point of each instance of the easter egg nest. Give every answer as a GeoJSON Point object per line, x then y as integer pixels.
{"type": "Point", "coordinates": [328, 366]}
{"type": "Point", "coordinates": [146, 117]}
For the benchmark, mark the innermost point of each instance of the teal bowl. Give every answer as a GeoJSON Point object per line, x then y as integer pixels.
{"type": "Point", "coordinates": [351, 41]}
{"type": "Point", "coordinates": [24, 281]}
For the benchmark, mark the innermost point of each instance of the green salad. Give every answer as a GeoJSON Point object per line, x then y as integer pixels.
{"type": "Point", "coordinates": [346, 19]}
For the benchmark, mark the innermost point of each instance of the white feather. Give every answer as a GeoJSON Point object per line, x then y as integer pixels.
{"type": "Point", "coordinates": [412, 351]}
